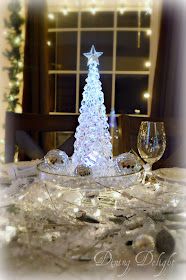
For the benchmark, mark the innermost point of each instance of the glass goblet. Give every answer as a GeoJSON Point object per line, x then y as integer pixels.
{"type": "Point", "coordinates": [151, 141]}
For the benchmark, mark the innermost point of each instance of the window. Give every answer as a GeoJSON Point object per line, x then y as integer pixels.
{"type": "Point", "coordinates": [130, 56]}
{"type": "Point", "coordinates": [124, 66]}
{"type": "Point", "coordinates": [127, 97]}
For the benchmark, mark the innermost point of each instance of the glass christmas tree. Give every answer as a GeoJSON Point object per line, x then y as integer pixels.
{"type": "Point", "coordinates": [93, 140]}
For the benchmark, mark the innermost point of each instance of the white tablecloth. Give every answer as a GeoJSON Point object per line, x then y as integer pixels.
{"type": "Point", "coordinates": [41, 235]}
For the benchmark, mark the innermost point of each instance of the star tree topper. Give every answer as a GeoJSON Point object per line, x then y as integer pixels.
{"type": "Point", "coordinates": [93, 55]}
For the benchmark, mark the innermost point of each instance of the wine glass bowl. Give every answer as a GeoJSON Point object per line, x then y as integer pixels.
{"type": "Point", "coordinates": [151, 141]}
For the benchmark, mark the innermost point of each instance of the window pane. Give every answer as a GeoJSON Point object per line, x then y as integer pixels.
{"type": "Point", "coordinates": [103, 41]}
{"type": "Point", "coordinates": [66, 93]}
{"type": "Point", "coordinates": [129, 56]}
{"type": "Point", "coordinates": [129, 94]}
{"type": "Point", "coordinates": [52, 92]}
{"type": "Point", "coordinates": [100, 19]}
{"type": "Point", "coordinates": [128, 19]}
{"type": "Point", "coordinates": [145, 19]}
{"type": "Point", "coordinates": [66, 50]}
{"type": "Point", "coordinates": [52, 20]}
{"type": "Point", "coordinates": [51, 50]}
{"type": "Point", "coordinates": [68, 21]}
{"type": "Point", "coordinates": [61, 137]}
{"type": "Point", "coordinates": [106, 81]}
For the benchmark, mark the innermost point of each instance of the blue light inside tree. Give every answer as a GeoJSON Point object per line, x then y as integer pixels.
{"type": "Point", "coordinates": [93, 140]}
{"type": "Point", "coordinates": [113, 121]}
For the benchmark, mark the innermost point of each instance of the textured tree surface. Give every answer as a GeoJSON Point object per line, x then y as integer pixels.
{"type": "Point", "coordinates": [93, 140]}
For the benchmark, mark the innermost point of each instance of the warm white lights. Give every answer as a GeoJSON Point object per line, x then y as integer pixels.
{"type": "Point", "coordinates": [11, 98]}
{"type": "Point", "coordinates": [149, 10]}
{"type": "Point", "coordinates": [65, 11]}
{"type": "Point", "coordinates": [116, 195]}
{"type": "Point", "coordinates": [19, 76]}
{"type": "Point", "coordinates": [97, 213]}
{"type": "Point", "coordinates": [147, 64]}
{"type": "Point", "coordinates": [149, 32]}
{"type": "Point", "coordinates": [146, 95]}
{"type": "Point", "coordinates": [20, 64]}
{"type": "Point", "coordinates": [95, 5]}
{"type": "Point", "coordinates": [93, 10]}
{"type": "Point", "coordinates": [59, 194]}
{"type": "Point", "coordinates": [51, 16]}
{"type": "Point", "coordinates": [40, 199]}
{"type": "Point", "coordinates": [17, 40]}
{"type": "Point", "coordinates": [49, 43]}
{"type": "Point", "coordinates": [122, 10]}
{"type": "Point", "coordinates": [137, 111]}
{"type": "Point", "coordinates": [76, 210]}
{"type": "Point", "coordinates": [17, 83]}
{"type": "Point", "coordinates": [5, 33]}
{"type": "Point", "coordinates": [2, 141]}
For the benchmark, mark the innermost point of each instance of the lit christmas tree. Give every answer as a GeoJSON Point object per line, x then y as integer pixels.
{"type": "Point", "coordinates": [93, 140]}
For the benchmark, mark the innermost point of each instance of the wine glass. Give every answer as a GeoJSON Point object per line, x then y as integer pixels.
{"type": "Point", "coordinates": [151, 141]}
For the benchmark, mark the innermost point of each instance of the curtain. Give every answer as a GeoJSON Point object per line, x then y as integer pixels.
{"type": "Point", "coordinates": [36, 86]}
{"type": "Point", "coordinates": [35, 75]}
{"type": "Point", "coordinates": [167, 89]}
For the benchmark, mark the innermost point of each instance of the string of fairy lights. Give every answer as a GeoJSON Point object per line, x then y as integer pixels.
{"type": "Point", "coordinates": [13, 33]}
{"type": "Point", "coordinates": [14, 54]}
{"type": "Point", "coordinates": [14, 37]}
{"type": "Point", "coordinates": [94, 6]}
{"type": "Point", "coordinates": [123, 6]}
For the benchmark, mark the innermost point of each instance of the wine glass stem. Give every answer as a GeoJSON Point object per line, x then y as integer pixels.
{"type": "Point", "coordinates": [148, 171]}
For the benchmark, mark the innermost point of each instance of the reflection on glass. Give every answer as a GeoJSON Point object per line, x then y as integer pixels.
{"type": "Point", "coordinates": [66, 93]}
{"type": "Point", "coordinates": [67, 21]}
{"type": "Point", "coordinates": [100, 19]}
{"type": "Point", "coordinates": [145, 19]}
{"type": "Point", "coordinates": [129, 91]}
{"type": "Point", "coordinates": [103, 42]}
{"type": "Point", "coordinates": [151, 141]}
{"type": "Point", "coordinates": [52, 18]}
{"type": "Point", "coordinates": [129, 56]}
{"type": "Point", "coordinates": [51, 50]}
{"type": "Point", "coordinates": [61, 137]}
{"type": "Point", "coordinates": [130, 19]}
{"type": "Point", "coordinates": [52, 92]}
{"type": "Point", "coordinates": [66, 50]}
{"type": "Point", "coordinates": [106, 81]}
